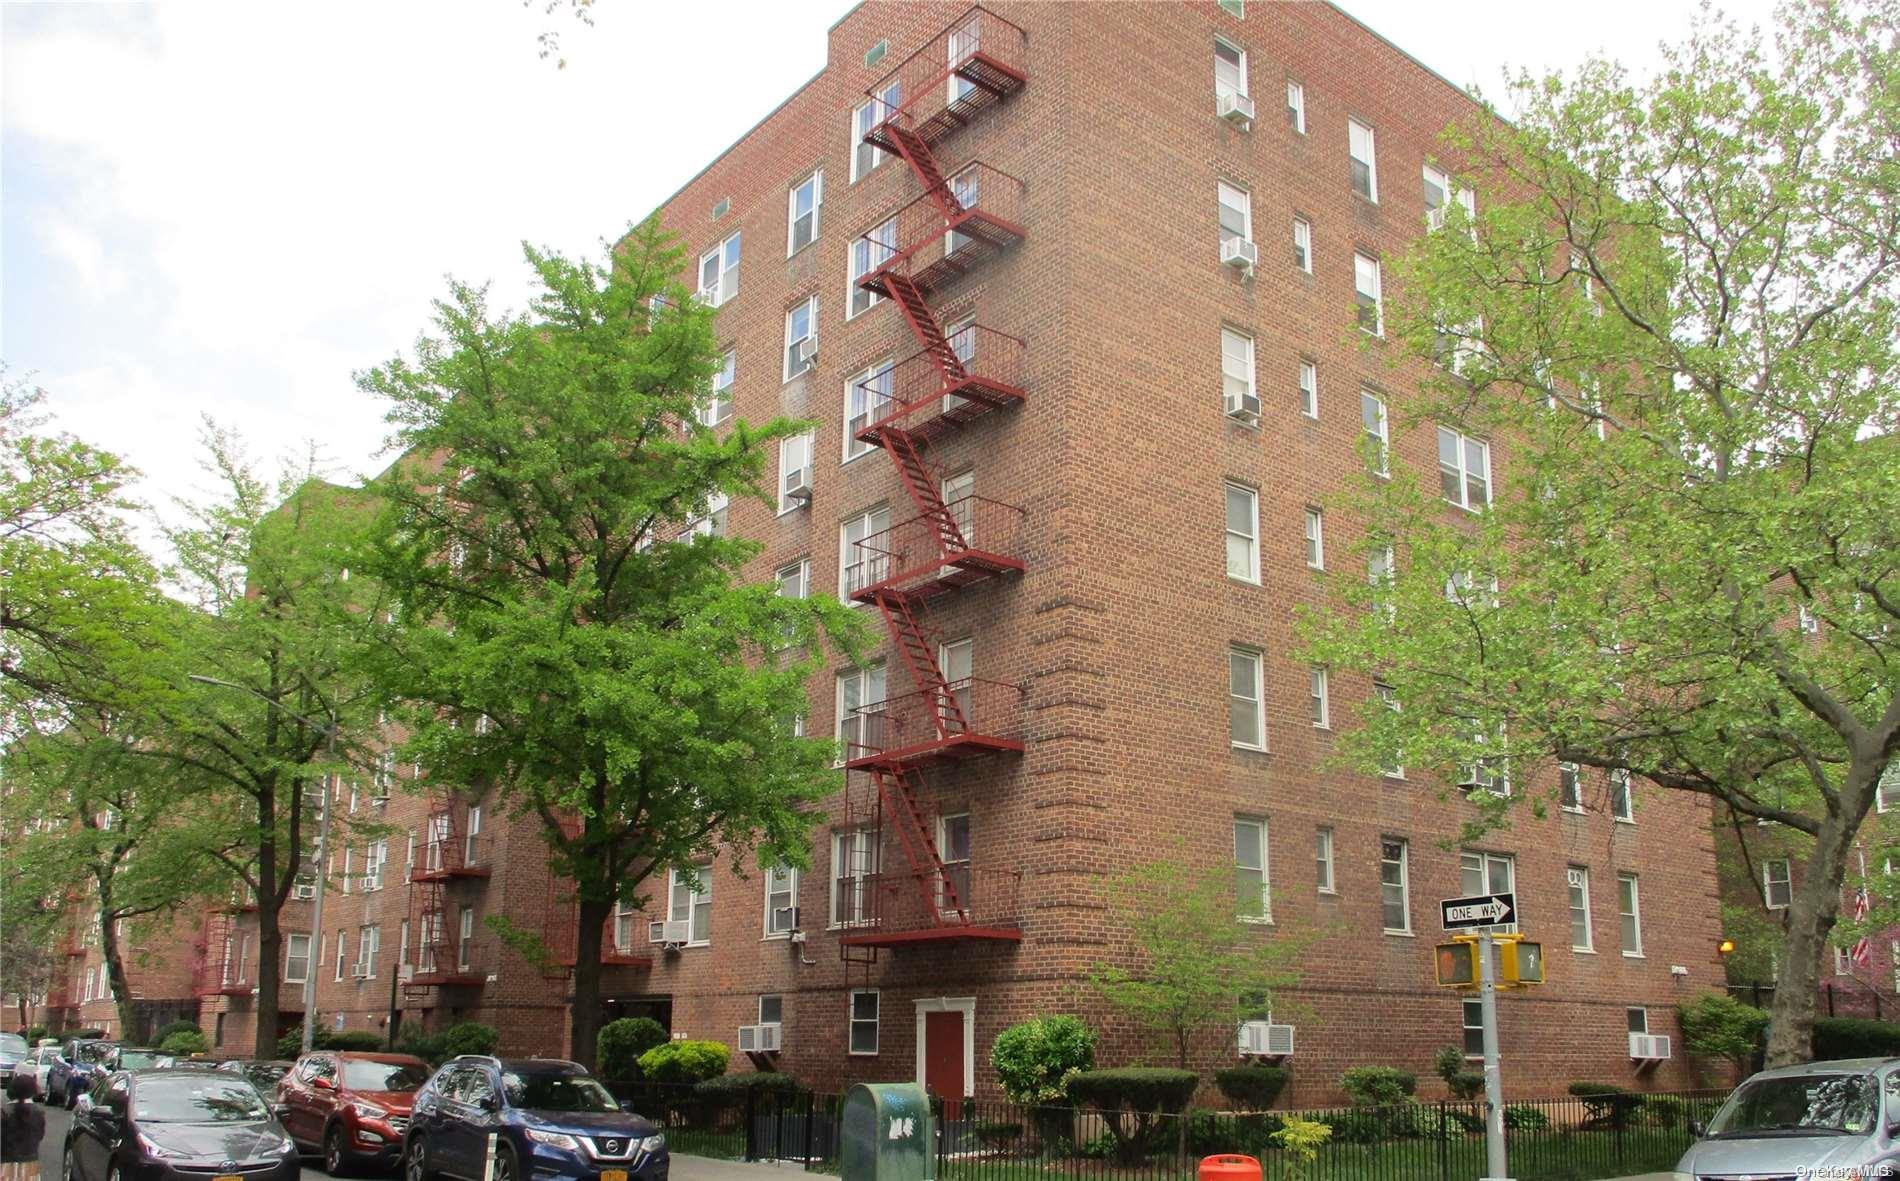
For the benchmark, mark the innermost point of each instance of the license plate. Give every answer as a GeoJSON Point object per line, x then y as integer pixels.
{"type": "Point", "coordinates": [605, 1175]}
{"type": "Point", "coordinates": [228, 1177]}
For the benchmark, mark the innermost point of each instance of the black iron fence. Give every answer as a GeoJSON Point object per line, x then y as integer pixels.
{"type": "Point", "coordinates": [1548, 1140]}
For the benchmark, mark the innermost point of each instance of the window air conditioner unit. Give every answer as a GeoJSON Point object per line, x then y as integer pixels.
{"type": "Point", "coordinates": [1266, 1039]}
{"type": "Point", "coordinates": [1240, 252]}
{"type": "Point", "coordinates": [785, 918]}
{"type": "Point", "coordinates": [406, 972]}
{"type": "Point", "coordinates": [763, 1038]}
{"type": "Point", "coordinates": [670, 932]}
{"type": "Point", "coordinates": [1236, 109]}
{"type": "Point", "coordinates": [359, 971]}
{"type": "Point", "coordinates": [707, 295]}
{"type": "Point", "coordinates": [796, 484]}
{"type": "Point", "coordinates": [806, 350]}
{"type": "Point", "coordinates": [1244, 406]}
{"type": "Point", "coordinates": [1649, 1047]}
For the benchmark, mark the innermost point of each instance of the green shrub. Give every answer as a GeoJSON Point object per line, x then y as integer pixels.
{"type": "Point", "coordinates": [622, 1042]}
{"type": "Point", "coordinates": [1252, 1088]}
{"type": "Point", "coordinates": [354, 1039]}
{"type": "Point", "coordinates": [469, 1037]}
{"type": "Point", "coordinates": [1378, 1086]}
{"type": "Point", "coordinates": [1666, 1111]}
{"type": "Point", "coordinates": [1133, 1100]}
{"type": "Point", "coordinates": [1464, 1119]}
{"type": "Point", "coordinates": [733, 1088]}
{"type": "Point", "coordinates": [34, 1033]}
{"type": "Point", "coordinates": [1606, 1103]}
{"type": "Point", "coordinates": [85, 1033]}
{"type": "Point", "coordinates": [1034, 1059]}
{"type": "Point", "coordinates": [184, 1042]}
{"type": "Point", "coordinates": [1522, 1117]}
{"type": "Point", "coordinates": [182, 1025]}
{"type": "Point", "coordinates": [685, 1061]}
{"type": "Point", "coordinates": [1208, 1133]}
{"type": "Point", "coordinates": [1855, 1037]}
{"type": "Point", "coordinates": [996, 1135]}
{"type": "Point", "coordinates": [1463, 1082]}
{"type": "Point", "coordinates": [1716, 1025]}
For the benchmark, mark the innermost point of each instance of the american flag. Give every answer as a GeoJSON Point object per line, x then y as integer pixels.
{"type": "Point", "coordinates": [1863, 952]}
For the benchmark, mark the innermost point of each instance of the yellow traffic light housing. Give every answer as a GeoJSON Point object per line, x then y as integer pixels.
{"type": "Point", "coordinates": [1457, 964]}
{"type": "Point", "coordinates": [1520, 962]}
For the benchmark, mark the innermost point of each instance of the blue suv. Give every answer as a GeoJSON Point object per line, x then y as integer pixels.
{"type": "Point", "coordinates": [552, 1121]}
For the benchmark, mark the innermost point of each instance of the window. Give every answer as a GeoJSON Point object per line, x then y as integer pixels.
{"type": "Point", "coordinates": [854, 857]}
{"type": "Point", "coordinates": [1315, 539]}
{"type": "Point", "coordinates": [1250, 869]}
{"type": "Point", "coordinates": [369, 941]}
{"type": "Point", "coordinates": [1323, 860]}
{"type": "Point", "coordinates": [1777, 884]}
{"type": "Point", "coordinates": [1487, 873]}
{"type": "Point", "coordinates": [1622, 805]}
{"type": "Point", "coordinates": [867, 396]}
{"type": "Point", "coordinates": [1230, 68]}
{"type": "Point", "coordinates": [1236, 368]}
{"type": "Point", "coordinates": [374, 857]}
{"type": "Point", "coordinates": [465, 940]}
{"type": "Point", "coordinates": [866, 159]}
{"type": "Point", "coordinates": [1578, 879]}
{"type": "Point", "coordinates": [1366, 286]}
{"type": "Point", "coordinates": [1490, 772]}
{"type": "Point", "coordinates": [1365, 167]}
{"type": "Point", "coordinates": [711, 522]}
{"type": "Point", "coordinates": [1843, 962]}
{"type": "Point", "coordinates": [864, 1021]}
{"type": "Point", "coordinates": [1464, 469]}
{"type": "Point", "coordinates": [860, 566]}
{"type": "Point", "coordinates": [1570, 787]}
{"type": "Point", "coordinates": [1233, 7]}
{"type": "Point", "coordinates": [296, 959]}
{"type": "Point", "coordinates": [771, 1010]}
{"type": "Point", "coordinates": [1316, 690]}
{"type": "Point", "coordinates": [1389, 698]}
{"type": "Point", "coordinates": [1296, 107]}
{"type": "Point", "coordinates": [1243, 533]}
{"type": "Point", "coordinates": [719, 272]}
{"type": "Point", "coordinates": [1309, 389]}
{"type": "Point", "coordinates": [626, 920]}
{"type": "Point", "coordinates": [958, 494]}
{"type": "Point", "coordinates": [1372, 416]}
{"type": "Point", "coordinates": [342, 949]}
{"type": "Point", "coordinates": [1468, 589]}
{"type": "Point", "coordinates": [1440, 191]}
{"type": "Point", "coordinates": [1236, 214]}
{"type": "Point", "coordinates": [1395, 902]}
{"type": "Point", "coordinates": [859, 688]}
{"type": "Point", "coordinates": [718, 407]}
{"type": "Point", "coordinates": [1805, 620]}
{"type": "Point", "coordinates": [953, 844]}
{"type": "Point", "coordinates": [801, 213]}
{"type": "Point", "coordinates": [794, 581]}
{"type": "Point", "coordinates": [1303, 244]}
{"type": "Point", "coordinates": [1629, 910]}
{"type": "Point", "coordinates": [1473, 1011]}
{"type": "Point", "coordinates": [1246, 712]}
{"type": "Point", "coordinates": [781, 900]}
{"type": "Point", "coordinates": [869, 251]}
{"type": "Point", "coordinates": [801, 338]}
{"type": "Point", "coordinates": [689, 900]}
{"type": "Point", "coordinates": [794, 471]}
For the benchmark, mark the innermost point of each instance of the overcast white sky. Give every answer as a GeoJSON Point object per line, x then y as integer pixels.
{"type": "Point", "coordinates": [224, 209]}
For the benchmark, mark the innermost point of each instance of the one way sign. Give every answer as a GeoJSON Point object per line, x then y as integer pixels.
{"type": "Point", "coordinates": [1482, 910]}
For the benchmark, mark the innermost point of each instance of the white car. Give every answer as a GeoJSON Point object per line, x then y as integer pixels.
{"type": "Point", "coordinates": [40, 1061]}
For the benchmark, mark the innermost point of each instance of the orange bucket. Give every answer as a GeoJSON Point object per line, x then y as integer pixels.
{"type": "Point", "coordinates": [1229, 1167]}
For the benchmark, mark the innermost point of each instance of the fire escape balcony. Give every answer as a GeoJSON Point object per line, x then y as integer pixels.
{"type": "Point", "coordinates": [216, 977]}
{"type": "Point", "coordinates": [924, 395]}
{"type": "Point", "coordinates": [933, 250]}
{"type": "Point", "coordinates": [975, 62]}
{"type": "Point", "coordinates": [905, 908]}
{"type": "Point", "coordinates": [60, 996]}
{"type": "Point", "coordinates": [450, 963]}
{"type": "Point", "coordinates": [451, 858]}
{"type": "Point", "coordinates": [920, 557]}
{"type": "Point", "coordinates": [617, 947]}
{"type": "Point", "coordinates": [963, 719]}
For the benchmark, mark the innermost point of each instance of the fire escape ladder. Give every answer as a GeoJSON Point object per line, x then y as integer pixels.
{"type": "Point", "coordinates": [921, 484]}
{"type": "Point", "coordinates": [919, 651]}
{"type": "Point", "coordinates": [923, 162]}
{"type": "Point", "coordinates": [897, 789]}
{"type": "Point", "coordinates": [923, 324]}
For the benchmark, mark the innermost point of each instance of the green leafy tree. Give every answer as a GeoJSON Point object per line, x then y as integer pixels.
{"type": "Point", "coordinates": [1674, 316]}
{"type": "Point", "coordinates": [1200, 969]}
{"type": "Point", "coordinates": [591, 652]}
{"type": "Point", "coordinates": [1716, 1025]}
{"type": "Point", "coordinates": [1034, 1058]}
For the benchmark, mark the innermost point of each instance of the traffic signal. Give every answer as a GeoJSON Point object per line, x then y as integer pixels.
{"type": "Point", "coordinates": [1457, 964]}
{"type": "Point", "coordinates": [1520, 961]}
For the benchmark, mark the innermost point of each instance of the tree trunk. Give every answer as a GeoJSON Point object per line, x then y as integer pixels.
{"type": "Point", "coordinates": [584, 1015]}
{"type": "Point", "coordinates": [114, 957]}
{"type": "Point", "coordinates": [269, 936]}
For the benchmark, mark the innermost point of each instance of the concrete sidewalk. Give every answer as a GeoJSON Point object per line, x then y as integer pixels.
{"type": "Point", "coordinates": [708, 1168]}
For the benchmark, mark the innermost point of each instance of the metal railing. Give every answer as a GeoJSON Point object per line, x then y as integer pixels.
{"type": "Point", "coordinates": [911, 551]}
{"type": "Point", "coordinates": [962, 896]}
{"type": "Point", "coordinates": [933, 251]}
{"type": "Point", "coordinates": [916, 388]}
{"type": "Point", "coordinates": [917, 723]}
{"type": "Point", "coordinates": [451, 962]}
{"type": "Point", "coordinates": [452, 856]}
{"type": "Point", "coordinates": [949, 77]}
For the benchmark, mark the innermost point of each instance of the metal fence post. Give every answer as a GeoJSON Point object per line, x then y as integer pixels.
{"type": "Point", "coordinates": [751, 1120]}
{"type": "Point", "coordinates": [811, 1118]}
{"type": "Point", "coordinates": [1444, 1145]}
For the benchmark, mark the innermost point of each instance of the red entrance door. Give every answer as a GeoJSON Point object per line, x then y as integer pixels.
{"type": "Point", "coordinates": [943, 1059]}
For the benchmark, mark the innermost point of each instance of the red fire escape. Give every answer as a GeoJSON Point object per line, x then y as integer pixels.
{"type": "Point", "coordinates": [965, 215]}
{"type": "Point", "coordinates": [449, 858]}
{"type": "Point", "coordinates": [217, 963]}
{"type": "Point", "coordinates": [622, 937]}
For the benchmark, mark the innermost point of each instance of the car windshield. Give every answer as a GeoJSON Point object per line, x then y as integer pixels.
{"type": "Point", "coordinates": [359, 1075]}
{"type": "Point", "coordinates": [94, 1051]}
{"type": "Point", "coordinates": [173, 1099]}
{"type": "Point", "coordinates": [1806, 1104]}
{"type": "Point", "coordinates": [138, 1059]}
{"type": "Point", "coordinates": [12, 1043]}
{"type": "Point", "coordinates": [556, 1092]}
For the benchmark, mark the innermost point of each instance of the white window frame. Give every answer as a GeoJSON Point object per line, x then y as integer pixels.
{"type": "Point", "coordinates": [815, 181]}
{"type": "Point", "coordinates": [775, 1014]}
{"type": "Point", "coordinates": [1485, 860]}
{"type": "Point", "coordinates": [858, 404]}
{"type": "Point", "coordinates": [798, 576]}
{"type": "Point", "coordinates": [1389, 697]}
{"type": "Point", "coordinates": [1226, 197]}
{"type": "Point", "coordinates": [868, 679]}
{"type": "Point", "coordinates": [1250, 539]}
{"type": "Point", "coordinates": [1383, 424]}
{"type": "Point", "coordinates": [1231, 337]}
{"type": "Point", "coordinates": [698, 897]}
{"type": "Point", "coordinates": [787, 878]}
{"type": "Point", "coordinates": [810, 307]}
{"type": "Point", "coordinates": [1325, 869]}
{"type": "Point", "coordinates": [728, 255]}
{"type": "Point", "coordinates": [1570, 787]}
{"type": "Point", "coordinates": [1315, 526]}
{"type": "Point", "coordinates": [1577, 898]}
{"type": "Point", "coordinates": [1773, 885]}
{"type": "Point", "coordinates": [1467, 455]}
{"type": "Point", "coordinates": [718, 405]}
{"type": "Point", "coordinates": [1843, 962]}
{"type": "Point", "coordinates": [1403, 885]}
{"type": "Point", "coordinates": [369, 941]}
{"type": "Point", "coordinates": [1368, 282]}
{"type": "Point", "coordinates": [1303, 244]}
{"type": "Point", "coordinates": [291, 956]}
{"type": "Point", "coordinates": [342, 949]}
{"type": "Point", "coordinates": [855, 574]}
{"type": "Point", "coordinates": [1264, 870]}
{"type": "Point", "coordinates": [1630, 920]}
{"type": "Point", "coordinates": [1355, 133]}
{"type": "Point", "coordinates": [1470, 1010]}
{"type": "Point", "coordinates": [1257, 659]}
{"type": "Point", "coordinates": [1309, 388]}
{"type": "Point", "coordinates": [1318, 690]}
{"type": "Point", "coordinates": [947, 848]}
{"type": "Point", "coordinates": [855, 857]}
{"type": "Point", "coordinates": [626, 926]}
{"type": "Point", "coordinates": [465, 939]}
{"type": "Point", "coordinates": [1442, 180]}
{"type": "Point", "coordinates": [789, 448]}
{"type": "Point", "coordinates": [853, 1022]}
{"type": "Point", "coordinates": [866, 159]}
{"type": "Point", "coordinates": [1240, 68]}
{"type": "Point", "coordinates": [375, 856]}
{"type": "Point", "coordinates": [1622, 797]}
{"type": "Point", "coordinates": [1296, 107]}
{"type": "Point", "coordinates": [859, 263]}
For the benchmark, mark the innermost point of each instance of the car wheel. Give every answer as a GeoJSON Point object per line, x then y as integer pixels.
{"type": "Point", "coordinates": [415, 1161]}
{"type": "Point", "coordinates": [68, 1167]}
{"type": "Point", "coordinates": [505, 1165]}
{"type": "Point", "coordinates": [335, 1161]}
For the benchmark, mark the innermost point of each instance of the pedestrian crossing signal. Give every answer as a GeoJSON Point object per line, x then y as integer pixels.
{"type": "Point", "coordinates": [1457, 964]}
{"type": "Point", "coordinates": [1520, 962]}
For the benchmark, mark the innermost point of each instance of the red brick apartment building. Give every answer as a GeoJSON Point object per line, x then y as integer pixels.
{"type": "Point", "coordinates": [79, 993]}
{"type": "Point", "coordinates": [1085, 300]}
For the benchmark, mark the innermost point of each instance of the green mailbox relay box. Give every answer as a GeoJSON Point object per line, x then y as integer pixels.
{"type": "Point", "coordinates": [887, 1134]}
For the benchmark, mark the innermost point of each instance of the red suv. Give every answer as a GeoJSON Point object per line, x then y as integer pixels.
{"type": "Point", "coordinates": [352, 1107]}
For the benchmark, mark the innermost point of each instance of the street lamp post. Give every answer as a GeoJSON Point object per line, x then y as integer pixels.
{"type": "Point", "coordinates": [329, 730]}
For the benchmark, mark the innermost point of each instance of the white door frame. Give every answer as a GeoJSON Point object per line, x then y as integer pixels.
{"type": "Point", "coordinates": [951, 1004]}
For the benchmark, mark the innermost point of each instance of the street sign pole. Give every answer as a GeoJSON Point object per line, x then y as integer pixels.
{"type": "Point", "coordinates": [1495, 1166]}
